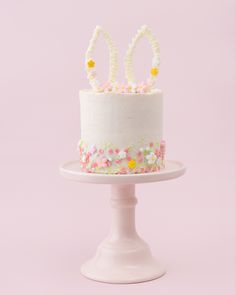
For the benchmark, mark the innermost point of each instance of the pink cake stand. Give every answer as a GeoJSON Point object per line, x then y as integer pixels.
{"type": "Point", "coordinates": [123, 257]}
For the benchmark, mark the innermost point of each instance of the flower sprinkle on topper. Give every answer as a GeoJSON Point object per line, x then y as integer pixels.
{"type": "Point", "coordinates": [90, 62]}
{"type": "Point", "coordinates": [129, 70]}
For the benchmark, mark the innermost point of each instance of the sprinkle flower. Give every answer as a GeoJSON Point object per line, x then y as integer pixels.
{"type": "Point", "coordinates": [90, 63]}
{"type": "Point", "coordinates": [151, 158]}
{"type": "Point", "coordinates": [132, 164]}
{"type": "Point", "coordinates": [122, 154]}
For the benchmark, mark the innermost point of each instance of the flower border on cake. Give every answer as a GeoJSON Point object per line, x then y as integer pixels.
{"type": "Point", "coordinates": [110, 159]}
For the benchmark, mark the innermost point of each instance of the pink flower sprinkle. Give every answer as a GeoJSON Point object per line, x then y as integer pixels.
{"type": "Point", "coordinates": [120, 88]}
{"type": "Point", "coordinates": [106, 162]}
{"type": "Point", "coordinates": [162, 149]}
{"type": "Point", "coordinates": [151, 144]}
{"type": "Point", "coordinates": [92, 149]}
{"type": "Point", "coordinates": [157, 153]}
{"type": "Point", "coordinates": [94, 165]}
{"type": "Point", "coordinates": [117, 151]}
{"type": "Point", "coordinates": [118, 161]}
{"type": "Point", "coordinates": [146, 88]}
{"type": "Point", "coordinates": [126, 150]}
{"type": "Point", "coordinates": [163, 145]}
{"type": "Point", "coordinates": [106, 87]}
{"type": "Point", "coordinates": [101, 151]}
{"type": "Point", "coordinates": [139, 154]}
{"type": "Point", "coordinates": [126, 88]}
{"type": "Point", "coordinates": [87, 158]}
{"type": "Point", "coordinates": [140, 88]}
{"type": "Point", "coordinates": [123, 170]}
{"type": "Point", "coordinates": [110, 151]}
{"type": "Point", "coordinates": [128, 158]}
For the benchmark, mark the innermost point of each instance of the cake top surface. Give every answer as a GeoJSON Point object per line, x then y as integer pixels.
{"type": "Point", "coordinates": [116, 93]}
{"type": "Point", "coordinates": [131, 86]}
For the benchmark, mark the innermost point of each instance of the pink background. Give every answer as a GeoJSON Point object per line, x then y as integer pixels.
{"type": "Point", "coordinates": [49, 226]}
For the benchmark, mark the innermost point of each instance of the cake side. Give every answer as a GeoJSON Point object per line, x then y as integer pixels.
{"type": "Point", "coordinates": [121, 132]}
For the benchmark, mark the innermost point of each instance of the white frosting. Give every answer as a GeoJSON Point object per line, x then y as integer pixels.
{"type": "Point", "coordinates": [121, 119]}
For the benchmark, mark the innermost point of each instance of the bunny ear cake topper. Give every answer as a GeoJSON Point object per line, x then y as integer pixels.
{"type": "Point", "coordinates": [90, 63]}
{"type": "Point", "coordinates": [112, 85]}
{"type": "Point", "coordinates": [129, 71]}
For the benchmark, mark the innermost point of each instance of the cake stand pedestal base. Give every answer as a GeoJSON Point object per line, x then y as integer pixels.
{"type": "Point", "coordinates": [123, 257]}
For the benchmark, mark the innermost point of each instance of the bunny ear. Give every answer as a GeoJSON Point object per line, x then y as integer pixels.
{"type": "Point", "coordinates": [129, 71]}
{"type": "Point", "coordinates": [90, 63]}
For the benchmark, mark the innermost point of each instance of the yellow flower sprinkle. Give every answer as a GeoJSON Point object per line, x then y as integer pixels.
{"type": "Point", "coordinates": [132, 164]}
{"type": "Point", "coordinates": [90, 63]}
{"type": "Point", "coordinates": [154, 71]}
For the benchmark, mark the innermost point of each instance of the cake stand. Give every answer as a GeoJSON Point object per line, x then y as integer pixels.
{"type": "Point", "coordinates": [123, 257]}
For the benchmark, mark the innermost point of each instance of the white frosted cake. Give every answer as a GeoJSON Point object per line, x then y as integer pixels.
{"type": "Point", "coordinates": [121, 125]}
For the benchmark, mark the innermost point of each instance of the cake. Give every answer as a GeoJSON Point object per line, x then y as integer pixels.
{"type": "Point", "coordinates": [121, 124]}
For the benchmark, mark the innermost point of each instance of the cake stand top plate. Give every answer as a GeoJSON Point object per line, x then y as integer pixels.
{"type": "Point", "coordinates": [71, 170]}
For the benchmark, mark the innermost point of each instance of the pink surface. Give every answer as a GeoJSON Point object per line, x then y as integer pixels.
{"type": "Point", "coordinates": [48, 225]}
